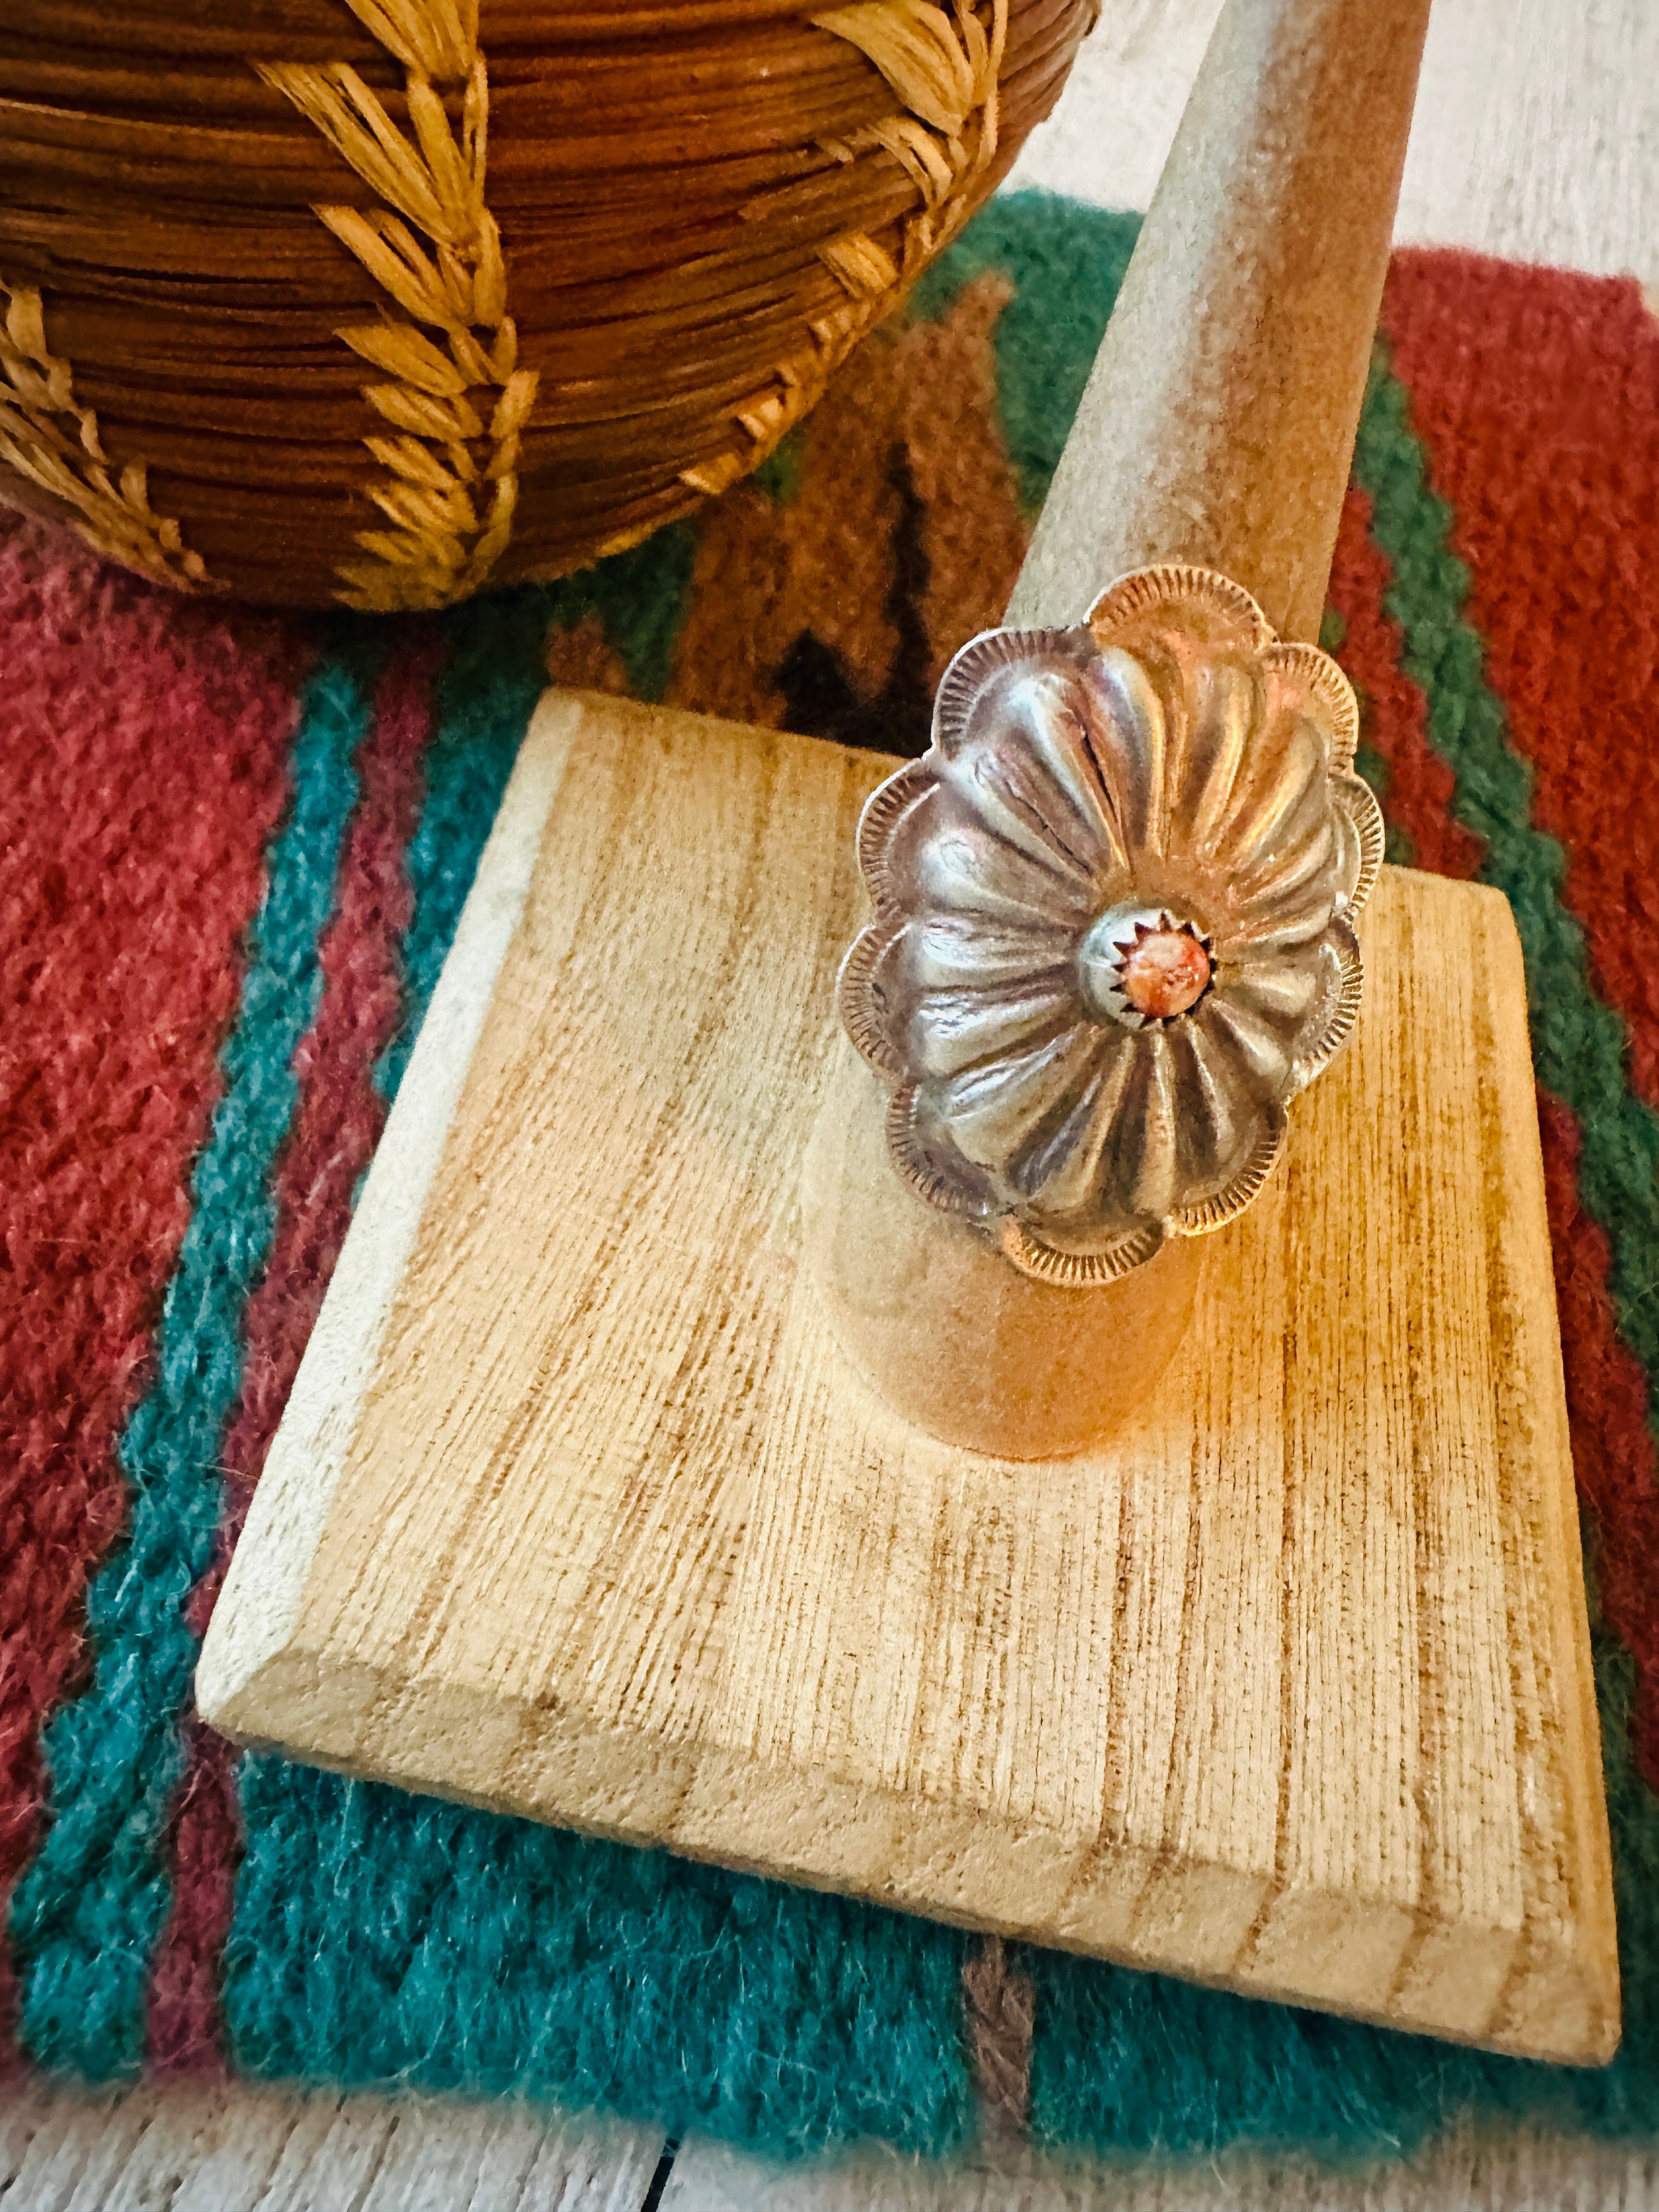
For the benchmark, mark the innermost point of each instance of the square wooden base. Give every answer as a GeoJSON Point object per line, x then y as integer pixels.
{"type": "Point", "coordinates": [577, 1511]}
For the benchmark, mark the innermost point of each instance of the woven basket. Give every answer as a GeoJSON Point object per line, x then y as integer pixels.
{"type": "Point", "coordinates": [382, 301]}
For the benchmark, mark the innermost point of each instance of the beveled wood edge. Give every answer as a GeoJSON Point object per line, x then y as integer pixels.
{"type": "Point", "coordinates": [256, 1610]}
{"type": "Point", "coordinates": [699, 1801]}
{"type": "Point", "coordinates": [255, 1672]}
{"type": "Point", "coordinates": [1520, 1147]}
{"type": "Point", "coordinates": [264, 1590]}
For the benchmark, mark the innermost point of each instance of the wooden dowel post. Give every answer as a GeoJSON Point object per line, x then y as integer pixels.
{"type": "Point", "coordinates": [1216, 428]}
{"type": "Point", "coordinates": [1218, 425]}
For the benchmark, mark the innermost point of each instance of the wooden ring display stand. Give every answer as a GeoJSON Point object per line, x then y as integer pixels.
{"type": "Point", "coordinates": [580, 1510]}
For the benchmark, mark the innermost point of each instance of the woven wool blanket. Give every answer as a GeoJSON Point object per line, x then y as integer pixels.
{"type": "Point", "coordinates": [233, 853]}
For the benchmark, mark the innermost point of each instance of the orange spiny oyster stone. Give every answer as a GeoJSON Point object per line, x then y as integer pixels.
{"type": "Point", "coordinates": [1167, 971]}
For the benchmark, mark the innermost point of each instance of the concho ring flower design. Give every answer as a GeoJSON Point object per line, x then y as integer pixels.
{"type": "Point", "coordinates": [1114, 927]}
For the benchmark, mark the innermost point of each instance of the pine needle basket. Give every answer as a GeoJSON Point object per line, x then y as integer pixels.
{"type": "Point", "coordinates": [384, 302]}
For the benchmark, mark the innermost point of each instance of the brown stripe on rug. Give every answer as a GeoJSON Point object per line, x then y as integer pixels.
{"type": "Point", "coordinates": [999, 2010]}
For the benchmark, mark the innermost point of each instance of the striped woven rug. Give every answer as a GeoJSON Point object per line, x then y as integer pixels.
{"type": "Point", "coordinates": [234, 851]}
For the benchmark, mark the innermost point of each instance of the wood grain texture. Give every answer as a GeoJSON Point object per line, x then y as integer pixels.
{"type": "Point", "coordinates": [186, 2147]}
{"type": "Point", "coordinates": [1523, 2170]}
{"type": "Point", "coordinates": [216, 2147]}
{"type": "Point", "coordinates": [1218, 421]}
{"type": "Point", "coordinates": [1216, 428]}
{"type": "Point", "coordinates": [1003, 1365]}
{"type": "Point", "coordinates": [578, 1512]}
{"type": "Point", "coordinates": [1536, 135]}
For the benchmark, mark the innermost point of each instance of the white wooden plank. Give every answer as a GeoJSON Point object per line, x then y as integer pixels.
{"type": "Point", "coordinates": [1518, 2171]}
{"type": "Point", "coordinates": [241, 2148]}
{"type": "Point", "coordinates": [1537, 137]}
{"type": "Point", "coordinates": [1536, 134]}
{"type": "Point", "coordinates": [1108, 138]}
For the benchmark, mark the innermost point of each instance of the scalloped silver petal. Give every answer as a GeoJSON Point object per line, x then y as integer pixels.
{"type": "Point", "coordinates": [1075, 1271]}
{"type": "Point", "coordinates": [1169, 752]}
{"type": "Point", "coordinates": [1339, 1007]}
{"type": "Point", "coordinates": [1212, 1213]}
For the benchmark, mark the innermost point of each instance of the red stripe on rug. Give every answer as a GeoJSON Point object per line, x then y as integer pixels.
{"type": "Point", "coordinates": [1394, 711]}
{"type": "Point", "coordinates": [1614, 1455]}
{"type": "Point", "coordinates": [337, 1123]}
{"type": "Point", "coordinates": [146, 746]}
{"type": "Point", "coordinates": [1536, 393]}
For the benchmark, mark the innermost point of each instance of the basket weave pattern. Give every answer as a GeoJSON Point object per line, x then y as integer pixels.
{"type": "Point", "coordinates": [382, 300]}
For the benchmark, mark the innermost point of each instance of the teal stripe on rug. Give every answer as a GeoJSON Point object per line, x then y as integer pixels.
{"type": "Point", "coordinates": [1129, 2062]}
{"type": "Point", "coordinates": [1580, 1054]}
{"type": "Point", "coordinates": [1069, 262]}
{"type": "Point", "coordinates": [86, 1915]}
{"type": "Point", "coordinates": [1579, 1047]}
{"type": "Point", "coordinates": [496, 673]}
{"type": "Point", "coordinates": [1126, 2063]}
{"type": "Point", "coordinates": [491, 679]}
{"type": "Point", "coordinates": [385, 1941]}
{"type": "Point", "coordinates": [381, 1939]}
